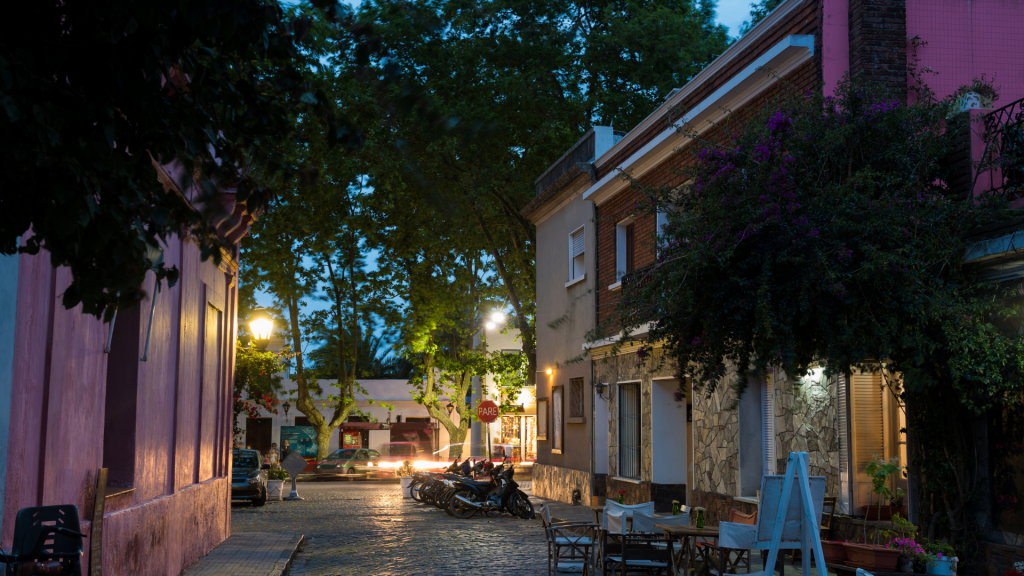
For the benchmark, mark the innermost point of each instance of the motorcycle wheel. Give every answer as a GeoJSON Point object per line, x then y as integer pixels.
{"type": "Point", "coordinates": [524, 508]}
{"type": "Point", "coordinates": [460, 509]}
{"type": "Point", "coordinates": [414, 491]}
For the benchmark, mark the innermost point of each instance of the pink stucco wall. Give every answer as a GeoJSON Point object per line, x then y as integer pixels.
{"type": "Point", "coordinates": [835, 43]}
{"type": "Point", "coordinates": [179, 508]}
{"type": "Point", "coordinates": [968, 38]}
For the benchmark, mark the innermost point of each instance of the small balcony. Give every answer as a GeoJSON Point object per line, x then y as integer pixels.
{"type": "Point", "coordinates": [1001, 166]}
{"type": "Point", "coordinates": [638, 278]}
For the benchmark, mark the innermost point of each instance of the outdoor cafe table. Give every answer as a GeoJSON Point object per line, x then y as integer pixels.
{"type": "Point", "coordinates": [688, 534]}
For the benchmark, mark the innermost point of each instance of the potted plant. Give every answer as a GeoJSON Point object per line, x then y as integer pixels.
{"type": "Point", "coordinates": [834, 550]}
{"type": "Point", "coordinates": [880, 472]}
{"type": "Point", "coordinates": [942, 558]}
{"type": "Point", "coordinates": [698, 512]}
{"type": "Point", "coordinates": [871, 556]}
{"type": "Point", "coordinates": [622, 496]}
{"type": "Point", "coordinates": [910, 551]}
{"type": "Point", "coordinates": [978, 94]}
{"type": "Point", "coordinates": [275, 482]}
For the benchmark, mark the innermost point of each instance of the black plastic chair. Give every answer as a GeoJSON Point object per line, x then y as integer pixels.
{"type": "Point", "coordinates": [47, 533]}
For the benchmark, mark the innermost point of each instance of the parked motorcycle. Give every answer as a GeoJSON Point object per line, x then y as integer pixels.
{"type": "Point", "coordinates": [499, 494]}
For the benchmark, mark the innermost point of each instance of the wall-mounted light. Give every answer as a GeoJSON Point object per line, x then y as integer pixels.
{"type": "Point", "coordinates": [490, 325]}
{"type": "Point", "coordinates": [600, 387]}
{"type": "Point", "coordinates": [498, 316]}
{"type": "Point", "coordinates": [450, 407]}
{"type": "Point", "coordinates": [548, 371]}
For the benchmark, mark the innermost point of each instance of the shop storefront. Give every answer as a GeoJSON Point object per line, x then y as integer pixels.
{"type": "Point", "coordinates": [515, 435]}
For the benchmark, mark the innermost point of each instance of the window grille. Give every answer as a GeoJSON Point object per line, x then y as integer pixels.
{"type": "Point", "coordinates": [629, 431]}
{"type": "Point", "coordinates": [576, 398]}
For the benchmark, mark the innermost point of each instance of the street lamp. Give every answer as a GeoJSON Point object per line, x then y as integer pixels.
{"type": "Point", "coordinates": [286, 406]}
{"type": "Point", "coordinates": [261, 325]}
{"type": "Point", "coordinates": [450, 407]}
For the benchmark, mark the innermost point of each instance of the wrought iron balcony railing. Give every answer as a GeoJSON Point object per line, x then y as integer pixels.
{"type": "Point", "coordinates": [1004, 154]}
{"type": "Point", "coordinates": [638, 278]}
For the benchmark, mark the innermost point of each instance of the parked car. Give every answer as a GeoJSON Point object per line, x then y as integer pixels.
{"type": "Point", "coordinates": [249, 477]}
{"type": "Point", "coordinates": [348, 461]}
{"type": "Point", "coordinates": [402, 451]}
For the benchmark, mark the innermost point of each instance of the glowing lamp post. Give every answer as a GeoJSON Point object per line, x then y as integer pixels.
{"type": "Point", "coordinates": [261, 325]}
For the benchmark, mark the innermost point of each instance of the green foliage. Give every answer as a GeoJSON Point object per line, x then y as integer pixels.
{"type": "Point", "coordinates": [90, 93]}
{"type": "Point", "coordinates": [758, 11]}
{"type": "Point", "coordinates": [881, 472]}
{"type": "Point", "coordinates": [277, 473]}
{"type": "Point", "coordinates": [513, 84]}
{"type": "Point", "coordinates": [375, 360]}
{"type": "Point", "coordinates": [825, 229]}
{"type": "Point", "coordinates": [257, 381]}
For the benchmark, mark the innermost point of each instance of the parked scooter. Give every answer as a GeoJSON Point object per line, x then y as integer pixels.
{"type": "Point", "coordinates": [500, 494]}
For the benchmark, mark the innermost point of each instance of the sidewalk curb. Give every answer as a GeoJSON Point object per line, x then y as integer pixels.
{"type": "Point", "coordinates": [281, 566]}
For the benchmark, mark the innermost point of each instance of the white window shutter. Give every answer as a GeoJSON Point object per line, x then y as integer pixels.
{"type": "Point", "coordinates": [843, 422]}
{"type": "Point", "coordinates": [577, 243]}
{"type": "Point", "coordinates": [868, 428]}
{"type": "Point", "coordinates": [768, 423]}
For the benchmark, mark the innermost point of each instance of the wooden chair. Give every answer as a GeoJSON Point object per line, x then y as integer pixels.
{"type": "Point", "coordinates": [638, 553]}
{"type": "Point", "coordinates": [828, 507]}
{"type": "Point", "coordinates": [571, 548]}
{"type": "Point", "coordinates": [717, 555]}
{"type": "Point", "coordinates": [613, 529]}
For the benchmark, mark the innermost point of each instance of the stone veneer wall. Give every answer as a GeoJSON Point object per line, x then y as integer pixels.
{"type": "Point", "coordinates": [806, 421]}
{"type": "Point", "coordinates": [557, 483]}
{"type": "Point", "coordinates": [625, 368]}
{"type": "Point", "coordinates": [716, 452]}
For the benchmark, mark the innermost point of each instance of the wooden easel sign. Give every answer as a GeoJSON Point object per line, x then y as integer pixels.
{"type": "Point", "coordinates": [794, 525]}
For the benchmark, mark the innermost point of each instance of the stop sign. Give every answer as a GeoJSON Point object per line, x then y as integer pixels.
{"type": "Point", "coordinates": [487, 411]}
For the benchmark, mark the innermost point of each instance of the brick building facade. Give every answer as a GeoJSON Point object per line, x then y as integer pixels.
{"type": "Point", "coordinates": [715, 455]}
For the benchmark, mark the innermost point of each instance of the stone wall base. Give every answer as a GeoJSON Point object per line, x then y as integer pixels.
{"type": "Point", "coordinates": [999, 558]}
{"type": "Point", "coordinates": [557, 483]}
{"type": "Point", "coordinates": [637, 493]}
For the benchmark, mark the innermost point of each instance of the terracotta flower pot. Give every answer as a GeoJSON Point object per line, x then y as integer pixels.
{"type": "Point", "coordinates": [883, 513]}
{"type": "Point", "coordinates": [835, 552]}
{"type": "Point", "coordinates": [870, 556]}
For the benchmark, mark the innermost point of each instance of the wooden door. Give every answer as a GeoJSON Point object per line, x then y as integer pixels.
{"type": "Point", "coordinates": [258, 434]}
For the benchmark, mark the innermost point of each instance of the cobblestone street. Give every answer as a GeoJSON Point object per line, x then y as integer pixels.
{"type": "Point", "coordinates": [363, 528]}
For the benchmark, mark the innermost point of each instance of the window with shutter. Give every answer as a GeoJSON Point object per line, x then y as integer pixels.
{"type": "Point", "coordinates": [577, 259]}
{"type": "Point", "coordinates": [629, 430]}
{"type": "Point", "coordinates": [843, 425]}
{"type": "Point", "coordinates": [768, 423]}
{"type": "Point", "coordinates": [542, 418]}
{"type": "Point", "coordinates": [625, 234]}
{"type": "Point", "coordinates": [868, 425]}
{"type": "Point", "coordinates": [630, 248]}
{"type": "Point", "coordinates": [556, 420]}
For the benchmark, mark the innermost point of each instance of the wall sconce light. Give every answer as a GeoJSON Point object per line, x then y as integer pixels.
{"type": "Point", "coordinates": [600, 387]}
{"type": "Point", "coordinates": [548, 371]}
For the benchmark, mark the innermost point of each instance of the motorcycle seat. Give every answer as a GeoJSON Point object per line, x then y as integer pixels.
{"type": "Point", "coordinates": [476, 483]}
